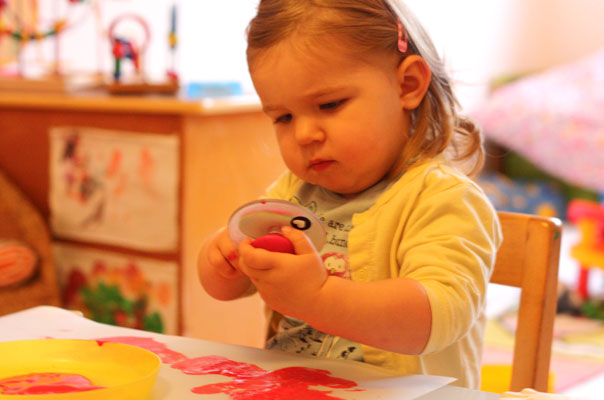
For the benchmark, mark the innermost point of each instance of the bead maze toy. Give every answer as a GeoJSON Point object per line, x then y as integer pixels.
{"type": "Point", "coordinates": [19, 24]}
{"type": "Point", "coordinates": [126, 48]}
{"type": "Point", "coordinates": [262, 220]}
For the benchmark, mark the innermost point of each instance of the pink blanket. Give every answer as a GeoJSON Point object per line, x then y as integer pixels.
{"type": "Point", "coordinates": [555, 119]}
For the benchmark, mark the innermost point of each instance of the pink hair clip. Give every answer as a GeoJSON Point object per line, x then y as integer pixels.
{"type": "Point", "coordinates": [402, 38]}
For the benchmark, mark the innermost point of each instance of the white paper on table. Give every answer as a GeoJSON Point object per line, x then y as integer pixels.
{"type": "Point", "coordinates": [52, 322]}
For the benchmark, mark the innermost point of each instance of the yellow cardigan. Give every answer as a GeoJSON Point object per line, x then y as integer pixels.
{"type": "Point", "coordinates": [436, 226]}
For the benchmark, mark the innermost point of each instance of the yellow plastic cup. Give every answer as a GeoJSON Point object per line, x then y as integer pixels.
{"type": "Point", "coordinates": [124, 371]}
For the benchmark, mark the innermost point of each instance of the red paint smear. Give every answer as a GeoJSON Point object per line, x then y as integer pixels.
{"type": "Point", "coordinates": [46, 383]}
{"type": "Point", "coordinates": [250, 382]}
{"type": "Point", "coordinates": [219, 366]}
{"type": "Point", "coordinates": [253, 383]}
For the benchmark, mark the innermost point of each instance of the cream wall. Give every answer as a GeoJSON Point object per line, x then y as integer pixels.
{"type": "Point", "coordinates": [483, 39]}
{"type": "Point", "coordinates": [565, 30]}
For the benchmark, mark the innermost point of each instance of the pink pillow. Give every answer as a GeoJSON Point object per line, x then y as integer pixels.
{"type": "Point", "coordinates": [18, 262]}
{"type": "Point", "coordinates": [555, 119]}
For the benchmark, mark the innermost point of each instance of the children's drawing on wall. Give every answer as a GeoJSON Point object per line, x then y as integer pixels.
{"type": "Point", "coordinates": [112, 187]}
{"type": "Point", "coordinates": [119, 289]}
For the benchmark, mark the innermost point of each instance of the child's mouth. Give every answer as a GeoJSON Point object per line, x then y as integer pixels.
{"type": "Point", "coordinates": [320, 165]}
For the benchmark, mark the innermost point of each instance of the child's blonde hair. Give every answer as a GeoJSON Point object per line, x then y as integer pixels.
{"type": "Point", "coordinates": [367, 27]}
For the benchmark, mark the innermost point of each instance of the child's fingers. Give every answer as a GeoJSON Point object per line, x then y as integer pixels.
{"type": "Point", "coordinates": [220, 263]}
{"type": "Point", "coordinates": [249, 253]}
{"type": "Point", "coordinates": [254, 258]}
{"type": "Point", "coordinates": [227, 247]}
{"type": "Point", "coordinates": [223, 255]}
{"type": "Point", "coordinates": [301, 242]}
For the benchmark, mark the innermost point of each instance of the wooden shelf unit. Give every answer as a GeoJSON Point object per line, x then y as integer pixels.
{"type": "Point", "coordinates": [228, 156]}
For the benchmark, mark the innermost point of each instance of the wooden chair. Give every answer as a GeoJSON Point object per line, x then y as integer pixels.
{"type": "Point", "coordinates": [528, 259]}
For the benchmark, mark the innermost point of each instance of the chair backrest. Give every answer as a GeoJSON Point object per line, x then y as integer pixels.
{"type": "Point", "coordinates": [528, 259]}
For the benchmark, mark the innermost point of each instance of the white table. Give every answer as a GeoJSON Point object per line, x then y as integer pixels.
{"type": "Point", "coordinates": [457, 393]}
{"type": "Point", "coordinates": [51, 322]}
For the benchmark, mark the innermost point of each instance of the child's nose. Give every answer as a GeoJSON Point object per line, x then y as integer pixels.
{"type": "Point", "coordinates": [308, 131]}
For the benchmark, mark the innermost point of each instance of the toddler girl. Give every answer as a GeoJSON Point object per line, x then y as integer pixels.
{"type": "Point", "coordinates": [368, 127]}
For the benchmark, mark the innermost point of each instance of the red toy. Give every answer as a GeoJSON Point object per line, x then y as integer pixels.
{"type": "Point", "coordinates": [274, 242]}
{"type": "Point", "coordinates": [588, 216]}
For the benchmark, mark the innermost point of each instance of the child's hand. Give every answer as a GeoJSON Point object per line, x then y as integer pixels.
{"type": "Point", "coordinates": [218, 268]}
{"type": "Point", "coordinates": [222, 255]}
{"type": "Point", "coordinates": [288, 283]}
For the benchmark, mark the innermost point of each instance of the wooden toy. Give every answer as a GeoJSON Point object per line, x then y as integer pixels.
{"type": "Point", "coordinates": [124, 48]}
{"type": "Point", "coordinates": [173, 41]}
{"type": "Point", "coordinates": [588, 216]}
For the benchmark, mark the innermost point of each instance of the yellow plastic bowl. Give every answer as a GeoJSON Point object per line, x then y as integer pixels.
{"type": "Point", "coordinates": [125, 371]}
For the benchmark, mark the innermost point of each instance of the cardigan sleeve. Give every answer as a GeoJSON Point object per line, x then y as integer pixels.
{"type": "Point", "coordinates": [449, 246]}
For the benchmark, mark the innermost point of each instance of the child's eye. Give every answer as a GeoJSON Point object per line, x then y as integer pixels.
{"type": "Point", "coordinates": [282, 119]}
{"type": "Point", "coordinates": [332, 105]}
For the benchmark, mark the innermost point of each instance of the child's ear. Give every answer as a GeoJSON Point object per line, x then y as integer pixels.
{"type": "Point", "coordinates": [414, 79]}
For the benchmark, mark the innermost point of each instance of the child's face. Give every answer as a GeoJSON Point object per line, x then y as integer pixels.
{"type": "Point", "coordinates": [339, 122]}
